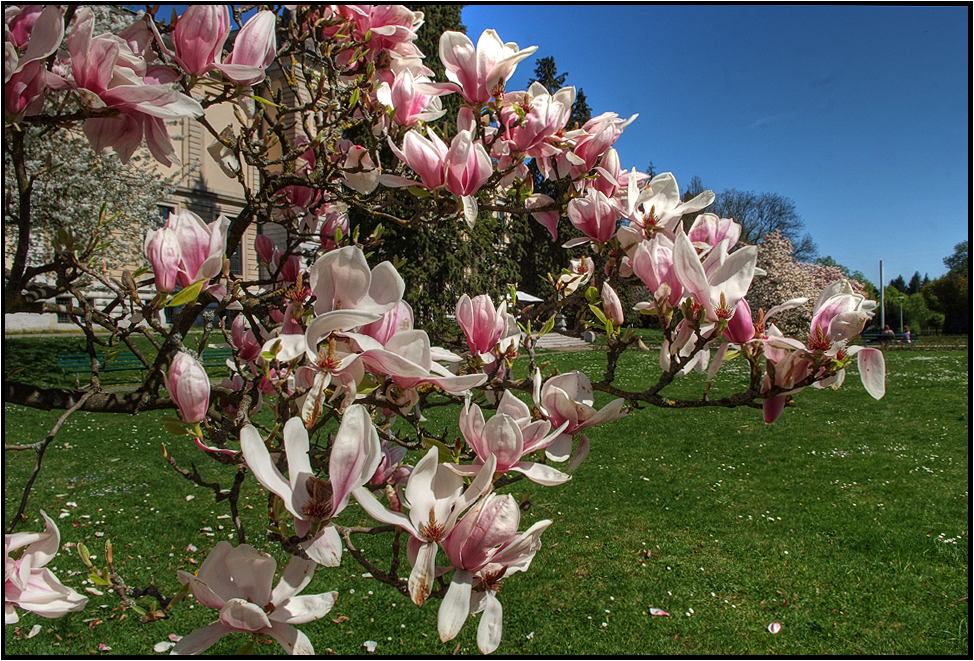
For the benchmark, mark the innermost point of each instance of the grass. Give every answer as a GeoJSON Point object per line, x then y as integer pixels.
{"type": "Point", "coordinates": [846, 521]}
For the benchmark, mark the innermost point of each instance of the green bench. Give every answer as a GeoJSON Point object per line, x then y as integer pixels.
{"type": "Point", "coordinates": [77, 363]}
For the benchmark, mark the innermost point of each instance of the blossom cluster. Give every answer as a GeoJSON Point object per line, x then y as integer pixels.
{"type": "Point", "coordinates": [332, 339]}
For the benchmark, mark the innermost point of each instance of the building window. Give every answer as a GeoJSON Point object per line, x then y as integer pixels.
{"type": "Point", "coordinates": [162, 213]}
{"type": "Point", "coordinates": [236, 261]}
{"type": "Point", "coordinates": [63, 317]}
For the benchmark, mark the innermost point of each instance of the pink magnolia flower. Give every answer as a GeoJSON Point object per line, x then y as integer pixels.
{"type": "Point", "coordinates": [839, 315]}
{"type": "Point", "coordinates": [740, 327]}
{"type": "Point", "coordinates": [342, 279]}
{"type": "Point", "coordinates": [237, 582]}
{"type": "Point", "coordinates": [482, 323]}
{"type": "Point", "coordinates": [426, 156]}
{"type": "Point", "coordinates": [331, 223]}
{"type": "Point", "coordinates": [569, 398]}
{"type": "Point", "coordinates": [390, 469]}
{"type": "Point", "coordinates": [710, 229]}
{"type": "Point", "coordinates": [33, 34]}
{"type": "Point", "coordinates": [362, 174]}
{"type": "Point", "coordinates": [107, 73]}
{"type": "Point", "coordinates": [399, 318]}
{"type": "Point", "coordinates": [355, 455]}
{"type": "Point", "coordinates": [253, 50]}
{"type": "Point", "coordinates": [659, 206]}
{"type": "Point", "coordinates": [549, 219]}
{"type": "Point", "coordinates": [611, 305]}
{"type": "Point", "coordinates": [719, 291]}
{"type": "Point", "coordinates": [510, 435]}
{"type": "Point", "coordinates": [28, 584]}
{"type": "Point", "coordinates": [202, 247]}
{"type": "Point", "coordinates": [600, 133]}
{"type": "Point", "coordinates": [580, 272]}
{"type": "Point", "coordinates": [436, 498]}
{"type": "Point", "coordinates": [244, 339]}
{"type": "Point", "coordinates": [161, 248]}
{"type": "Point", "coordinates": [189, 387]}
{"type": "Point", "coordinates": [485, 548]}
{"type": "Point", "coordinates": [595, 215]}
{"type": "Point", "coordinates": [412, 99]}
{"type": "Point", "coordinates": [409, 361]}
{"type": "Point", "coordinates": [479, 72]}
{"type": "Point", "coordinates": [544, 115]}
{"type": "Point", "coordinates": [199, 36]}
{"type": "Point", "coordinates": [467, 165]}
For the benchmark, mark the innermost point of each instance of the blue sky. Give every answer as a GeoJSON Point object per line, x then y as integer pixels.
{"type": "Point", "coordinates": [860, 114]}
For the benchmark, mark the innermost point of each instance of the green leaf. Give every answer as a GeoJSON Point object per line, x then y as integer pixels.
{"type": "Point", "coordinates": [176, 427]}
{"type": "Point", "coordinates": [247, 649]}
{"type": "Point", "coordinates": [548, 325]}
{"type": "Point", "coordinates": [353, 100]}
{"type": "Point", "coordinates": [85, 556]}
{"type": "Point", "coordinates": [98, 580]}
{"type": "Point", "coordinates": [598, 313]}
{"type": "Point", "coordinates": [445, 452]}
{"type": "Point", "coordinates": [259, 99]}
{"type": "Point", "coordinates": [187, 295]}
{"type": "Point", "coordinates": [591, 294]}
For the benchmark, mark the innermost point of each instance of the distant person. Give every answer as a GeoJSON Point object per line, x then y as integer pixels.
{"type": "Point", "coordinates": [888, 335]}
{"type": "Point", "coordinates": [906, 335]}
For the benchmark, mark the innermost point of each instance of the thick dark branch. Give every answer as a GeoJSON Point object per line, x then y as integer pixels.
{"type": "Point", "coordinates": [48, 399]}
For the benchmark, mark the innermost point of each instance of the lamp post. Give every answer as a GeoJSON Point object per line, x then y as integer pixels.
{"type": "Point", "coordinates": [901, 315]}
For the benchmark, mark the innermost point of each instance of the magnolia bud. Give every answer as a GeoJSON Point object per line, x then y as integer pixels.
{"type": "Point", "coordinates": [189, 387]}
{"type": "Point", "coordinates": [612, 305]}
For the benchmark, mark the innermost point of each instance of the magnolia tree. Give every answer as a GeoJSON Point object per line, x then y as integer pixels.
{"type": "Point", "coordinates": [336, 111]}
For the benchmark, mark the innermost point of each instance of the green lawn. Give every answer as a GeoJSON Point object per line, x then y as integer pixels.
{"type": "Point", "coordinates": [846, 521]}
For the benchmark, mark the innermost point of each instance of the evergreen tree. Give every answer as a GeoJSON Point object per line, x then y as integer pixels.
{"type": "Point", "coordinates": [915, 284]}
{"type": "Point", "coordinates": [899, 283]}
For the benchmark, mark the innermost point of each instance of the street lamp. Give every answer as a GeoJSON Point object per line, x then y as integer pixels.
{"type": "Point", "coordinates": [901, 315]}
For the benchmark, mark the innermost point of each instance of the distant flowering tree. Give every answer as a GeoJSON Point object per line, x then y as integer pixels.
{"type": "Point", "coordinates": [327, 346]}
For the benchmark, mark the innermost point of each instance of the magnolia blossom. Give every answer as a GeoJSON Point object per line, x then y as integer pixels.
{"type": "Point", "coordinates": [189, 387]}
{"type": "Point", "coordinates": [412, 99]}
{"type": "Point", "coordinates": [580, 272]}
{"type": "Point", "coordinates": [199, 36]}
{"type": "Point", "coordinates": [659, 206]}
{"type": "Point", "coordinates": [28, 584]}
{"type": "Point", "coordinates": [436, 498]}
{"type": "Point", "coordinates": [569, 398]}
{"type": "Point", "coordinates": [719, 291]}
{"type": "Point", "coordinates": [595, 215]}
{"type": "Point", "coordinates": [709, 229]}
{"type": "Point", "coordinates": [33, 34]}
{"type": "Point", "coordinates": [342, 279]}
{"type": "Point", "coordinates": [485, 548]}
{"type": "Point", "coordinates": [542, 116]}
{"type": "Point", "coordinates": [482, 323]}
{"type": "Point", "coordinates": [186, 250]}
{"type": "Point", "coordinates": [612, 305]}
{"type": "Point", "coordinates": [355, 455]}
{"type": "Point", "coordinates": [107, 73]}
{"type": "Point", "coordinates": [510, 435]}
{"type": "Point", "coordinates": [253, 50]}
{"type": "Point", "coordinates": [479, 72]}
{"type": "Point", "coordinates": [237, 582]}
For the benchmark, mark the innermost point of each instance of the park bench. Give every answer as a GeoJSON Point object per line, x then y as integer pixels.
{"type": "Point", "coordinates": [877, 337]}
{"type": "Point", "coordinates": [77, 363]}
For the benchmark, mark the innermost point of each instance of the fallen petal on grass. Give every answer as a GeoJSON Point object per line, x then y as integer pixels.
{"type": "Point", "coordinates": [658, 611]}
{"type": "Point", "coordinates": [774, 627]}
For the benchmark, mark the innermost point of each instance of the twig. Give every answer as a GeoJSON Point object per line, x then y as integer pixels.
{"type": "Point", "coordinates": [40, 448]}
